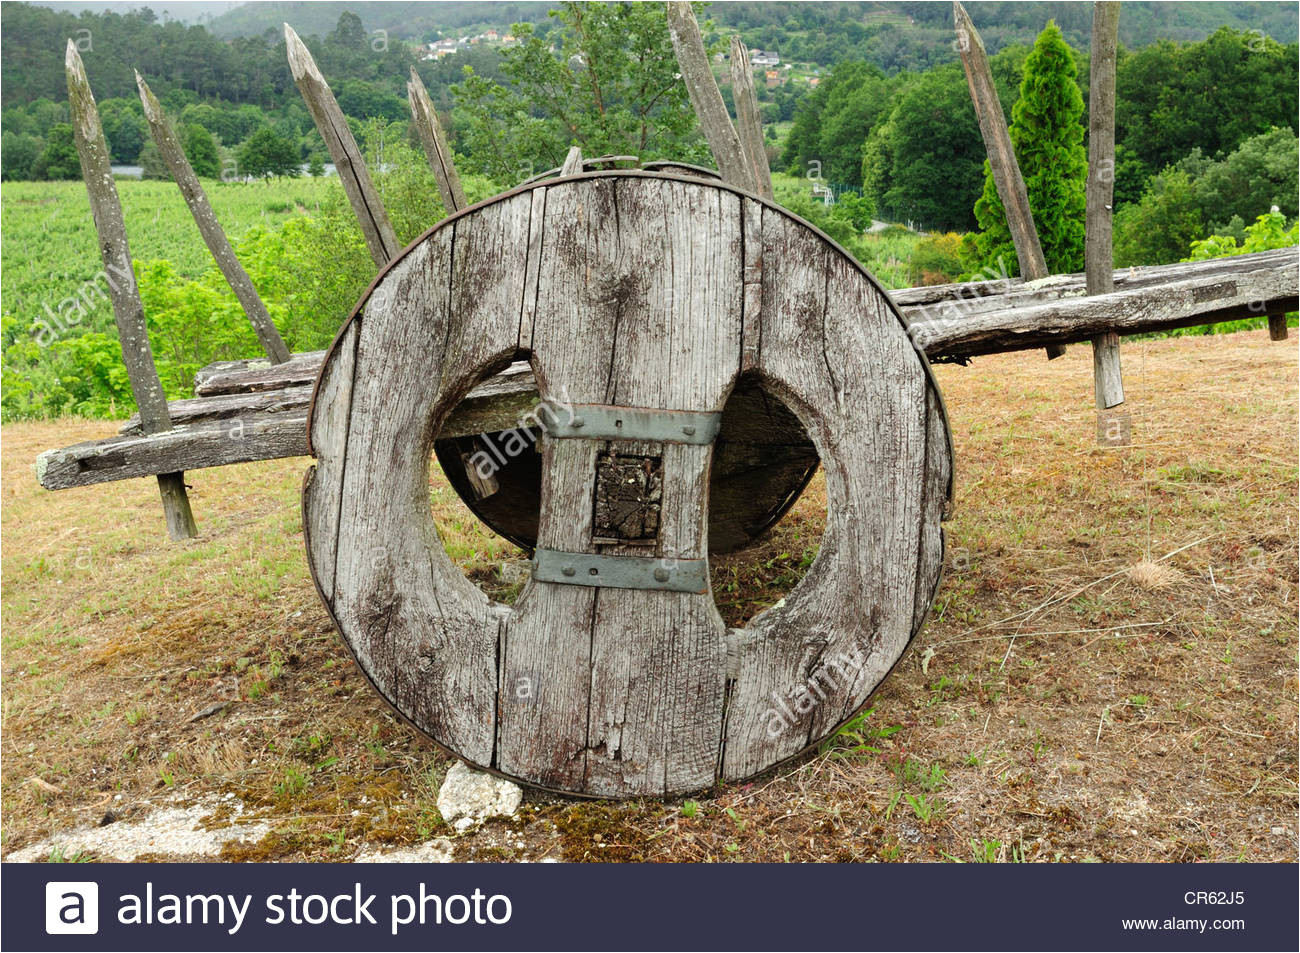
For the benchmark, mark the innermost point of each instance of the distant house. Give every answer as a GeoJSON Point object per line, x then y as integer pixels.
{"type": "Point", "coordinates": [491, 36]}
{"type": "Point", "coordinates": [815, 81]}
{"type": "Point", "coordinates": [774, 78]}
{"type": "Point", "coordinates": [764, 58]}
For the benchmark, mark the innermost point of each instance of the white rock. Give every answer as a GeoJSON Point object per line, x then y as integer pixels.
{"type": "Point", "coordinates": [470, 797]}
{"type": "Point", "coordinates": [436, 851]}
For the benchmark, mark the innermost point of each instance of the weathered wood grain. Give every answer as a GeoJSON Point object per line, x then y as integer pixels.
{"type": "Point", "coordinates": [348, 162]}
{"type": "Point", "coordinates": [425, 117]}
{"type": "Point", "coordinates": [206, 220]}
{"type": "Point", "coordinates": [834, 348]}
{"type": "Point", "coordinates": [254, 436]}
{"type": "Point", "coordinates": [572, 162]}
{"type": "Point", "coordinates": [1002, 157]}
{"type": "Point", "coordinates": [128, 312]}
{"type": "Point", "coordinates": [640, 301]}
{"type": "Point", "coordinates": [706, 98]}
{"type": "Point", "coordinates": [1108, 381]}
{"type": "Point", "coordinates": [749, 121]}
{"type": "Point", "coordinates": [1207, 299]}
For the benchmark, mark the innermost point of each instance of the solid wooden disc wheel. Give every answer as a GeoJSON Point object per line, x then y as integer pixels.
{"type": "Point", "coordinates": [641, 300]}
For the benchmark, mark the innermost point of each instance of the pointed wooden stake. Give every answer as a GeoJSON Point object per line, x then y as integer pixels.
{"type": "Point", "coordinates": [748, 119]}
{"type": "Point", "coordinates": [436, 149]}
{"type": "Point", "coordinates": [572, 162]}
{"type": "Point", "coordinates": [132, 332]}
{"type": "Point", "coordinates": [706, 97]}
{"type": "Point", "coordinates": [361, 191]}
{"type": "Point", "coordinates": [1108, 382]}
{"type": "Point", "coordinates": [170, 149]}
{"type": "Point", "coordinates": [1002, 157]}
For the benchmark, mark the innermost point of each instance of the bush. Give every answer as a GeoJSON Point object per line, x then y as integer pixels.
{"type": "Point", "coordinates": [936, 260]}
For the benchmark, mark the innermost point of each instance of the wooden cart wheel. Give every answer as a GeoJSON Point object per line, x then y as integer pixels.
{"type": "Point", "coordinates": [640, 299]}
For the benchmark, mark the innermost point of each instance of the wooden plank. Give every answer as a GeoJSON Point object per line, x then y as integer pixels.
{"type": "Point", "coordinates": [197, 410]}
{"type": "Point", "coordinates": [626, 713]}
{"type": "Point", "coordinates": [1108, 381]}
{"type": "Point", "coordinates": [128, 312]}
{"type": "Point", "coordinates": [1002, 157]}
{"type": "Point", "coordinates": [425, 117]}
{"type": "Point", "coordinates": [706, 98]}
{"type": "Point", "coordinates": [213, 236]}
{"type": "Point", "coordinates": [748, 120]}
{"type": "Point", "coordinates": [251, 376]}
{"type": "Point", "coordinates": [351, 167]}
{"type": "Point", "coordinates": [834, 344]}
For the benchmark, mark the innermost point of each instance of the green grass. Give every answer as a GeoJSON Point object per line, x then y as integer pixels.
{"type": "Point", "coordinates": [50, 249]}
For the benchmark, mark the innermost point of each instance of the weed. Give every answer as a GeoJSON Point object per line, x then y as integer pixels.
{"type": "Point", "coordinates": [857, 737]}
{"type": "Point", "coordinates": [690, 808]}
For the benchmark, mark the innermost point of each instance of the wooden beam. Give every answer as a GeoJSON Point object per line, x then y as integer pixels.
{"type": "Point", "coordinates": [1202, 299]}
{"type": "Point", "coordinates": [436, 149]}
{"type": "Point", "coordinates": [748, 119]}
{"type": "Point", "coordinates": [351, 167]}
{"type": "Point", "coordinates": [128, 311]}
{"type": "Point", "coordinates": [260, 424]}
{"type": "Point", "coordinates": [1108, 381]}
{"type": "Point", "coordinates": [197, 200]}
{"type": "Point", "coordinates": [1002, 157]}
{"type": "Point", "coordinates": [706, 98]}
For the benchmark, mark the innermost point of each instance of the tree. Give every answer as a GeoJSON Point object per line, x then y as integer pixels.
{"type": "Point", "coordinates": [265, 154]}
{"type": "Point", "coordinates": [610, 86]}
{"type": "Point", "coordinates": [59, 159]}
{"type": "Point", "coordinates": [832, 122]}
{"type": "Point", "coordinates": [152, 165]}
{"type": "Point", "coordinates": [201, 149]}
{"type": "Point", "coordinates": [1197, 195]}
{"type": "Point", "coordinates": [1174, 97]}
{"type": "Point", "coordinates": [1047, 134]}
{"type": "Point", "coordinates": [18, 153]}
{"type": "Point", "coordinates": [922, 164]}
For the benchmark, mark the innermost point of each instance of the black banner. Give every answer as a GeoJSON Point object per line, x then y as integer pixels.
{"type": "Point", "coordinates": [649, 907]}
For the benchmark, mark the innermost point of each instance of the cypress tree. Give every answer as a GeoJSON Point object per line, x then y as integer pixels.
{"type": "Point", "coordinates": [1047, 133]}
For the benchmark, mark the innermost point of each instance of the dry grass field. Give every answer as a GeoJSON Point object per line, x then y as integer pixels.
{"type": "Point", "coordinates": [1109, 672]}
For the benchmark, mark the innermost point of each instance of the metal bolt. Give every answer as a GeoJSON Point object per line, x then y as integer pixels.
{"type": "Point", "coordinates": [689, 431]}
{"type": "Point", "coordinates": [594, 571]}
{"type": "Point", "coordinates": [568, 570]}
{"type": "Point", "coordinates": [661, 575]}
{"type": "Point", "coordinates": [576, 422]}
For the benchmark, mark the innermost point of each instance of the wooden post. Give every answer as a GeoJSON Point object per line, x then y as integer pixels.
{"type": "Point", "coordinates": [127, 309]}
{"type": "Point", "coordinates": [1277, 327]}
{"type": "Point", "coordinates": [1099, 263]}
{"type": "Point", "coordinates": [572, 162]}
{"type": "Point", "coordinates": [426, 122]}
{"type": "Point", "coordinates": [170, 149]}
{"type": "Point", "coordinates": [1002, 157]}
{"type": "Point", "coordinates": [706, 98]}
{"type": "Point", "coordinates": [748, 120]}
{"type": "Point", "coordinates": [361, 191]}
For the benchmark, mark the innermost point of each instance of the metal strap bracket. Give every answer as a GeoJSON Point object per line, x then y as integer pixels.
{"type": "Point", "coordinates": [604, 422]}
{"type": "Point", "coordinates": [621, 572]}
